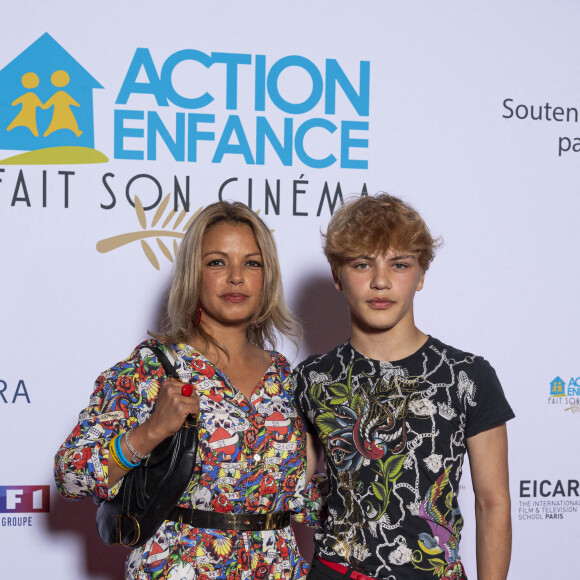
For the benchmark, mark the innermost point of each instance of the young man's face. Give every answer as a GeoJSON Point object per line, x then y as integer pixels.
{"type": "Point", "coordinates": [379, 289]}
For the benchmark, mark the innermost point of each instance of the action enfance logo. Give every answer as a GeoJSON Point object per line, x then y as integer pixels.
{"type": "Point", "coordinates": [46, 107]}
{"type": "Point", "coordinates": [566, 394]}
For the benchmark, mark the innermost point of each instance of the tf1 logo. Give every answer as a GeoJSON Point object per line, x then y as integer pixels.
{"type": "Point", "coordinates": [22, 499]}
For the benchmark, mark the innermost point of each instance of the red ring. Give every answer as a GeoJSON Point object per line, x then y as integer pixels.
{"type": "Point", "coordinates": [186, 390]}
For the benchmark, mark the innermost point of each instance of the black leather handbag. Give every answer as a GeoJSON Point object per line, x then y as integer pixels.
{"type": "Point", "coordinates": [152, 489]}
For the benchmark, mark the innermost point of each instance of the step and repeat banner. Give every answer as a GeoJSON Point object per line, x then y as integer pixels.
{"type": "Point", "coordinates": [119, 121]}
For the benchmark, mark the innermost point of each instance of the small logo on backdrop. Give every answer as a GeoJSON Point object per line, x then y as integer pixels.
{"type": "Point", "coordinates": [557, 387]}
{"type": "Point", "coordinates": [46, 107]}
{"type": "Point", "coordinates": [17, 500]}
{"type": "Point", "coordinates": [565, 394]}
{"type": "Point", "coordinates": [548, 499]}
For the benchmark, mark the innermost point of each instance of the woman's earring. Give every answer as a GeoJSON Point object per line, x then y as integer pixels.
{"type": "Point", "coordinates": [258, 325]}
{"type": "Point", "coordinates": [197, 321]}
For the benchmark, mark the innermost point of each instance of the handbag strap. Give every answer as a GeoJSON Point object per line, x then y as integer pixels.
{"type": "Point", "coordinates": [169, 369]}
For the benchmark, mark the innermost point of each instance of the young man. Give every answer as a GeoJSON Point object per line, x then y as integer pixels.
{"type": "Point", "coordinates": [396, 410]}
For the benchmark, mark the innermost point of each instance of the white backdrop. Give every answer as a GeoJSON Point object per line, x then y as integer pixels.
{"type": "Point", "coordinates": [471, 117]}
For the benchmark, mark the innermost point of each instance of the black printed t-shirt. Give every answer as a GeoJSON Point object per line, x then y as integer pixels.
{"type": "Point", "coordinates": [394, 435]}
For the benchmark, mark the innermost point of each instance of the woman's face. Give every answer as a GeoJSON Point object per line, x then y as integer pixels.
{"type": "Point", "coordinates": [232, 275]}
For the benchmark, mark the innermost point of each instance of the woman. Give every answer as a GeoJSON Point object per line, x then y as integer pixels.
{"type": "Point", "coordinates": [225, 305]}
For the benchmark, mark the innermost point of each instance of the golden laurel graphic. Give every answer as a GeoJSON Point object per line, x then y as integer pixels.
{"type": "Point", "coordinates": [166, 230]}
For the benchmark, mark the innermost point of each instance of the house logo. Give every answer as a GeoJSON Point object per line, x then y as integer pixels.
{"type": "Point", "coordinates": [46, 107]}
{"type": "Point", "coordinates": [557, 388]}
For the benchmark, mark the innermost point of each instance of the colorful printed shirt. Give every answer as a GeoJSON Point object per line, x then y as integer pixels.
{"type": "Point", "coordinates": [251, 459]}
{"type": "Point", "coordinates": [395, 435]}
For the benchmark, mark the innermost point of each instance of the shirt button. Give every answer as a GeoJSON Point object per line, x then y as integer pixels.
{"type": "Point", "coordinates": [257, 457]}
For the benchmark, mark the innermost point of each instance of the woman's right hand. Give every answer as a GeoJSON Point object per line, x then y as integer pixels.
{"type": "Point", "coordinates": [171, 410]}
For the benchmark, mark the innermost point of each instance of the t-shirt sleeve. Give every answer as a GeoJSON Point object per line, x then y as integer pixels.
{"type": "Point", "coordinates": [303, 406]}
{"type": "Point", "coordinates": [487, 406]}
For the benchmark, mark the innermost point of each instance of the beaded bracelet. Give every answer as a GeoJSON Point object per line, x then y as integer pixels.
{"type": "Point", "coordinates": [113, 454]}
{"type": "Point", "coordinates": [136, 454]}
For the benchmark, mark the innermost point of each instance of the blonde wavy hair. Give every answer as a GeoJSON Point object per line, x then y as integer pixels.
{"type": "Point", "coordinates": [272, 314]}
{"type": "Point", "coordinates": [377, 224]}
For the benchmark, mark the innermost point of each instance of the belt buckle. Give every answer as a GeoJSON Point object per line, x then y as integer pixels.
{"type": "Point", "coordinates": [239, 521]}
{"type": "Point", "coordinates": [270, 521]}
